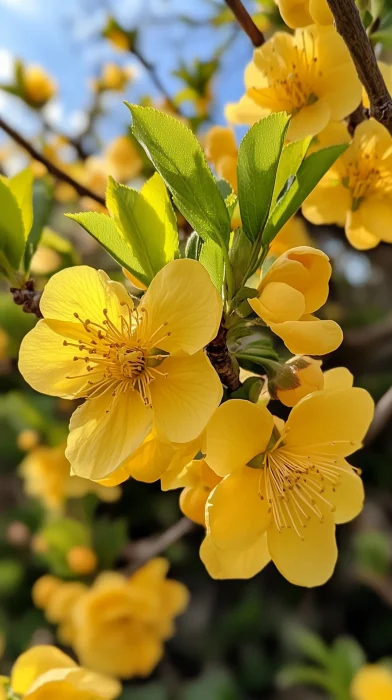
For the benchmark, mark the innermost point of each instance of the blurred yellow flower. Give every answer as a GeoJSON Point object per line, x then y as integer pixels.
{"type": "Point", "coordinates": [118, 39]}
{"type": "Point", "coordinates": [356, 191]}
{"type": "Point", "coordinates": [121, 623]}
{"type": "Point", "coordinates": [292, 235]}
{"type": "Point", "coordinates": [221, 151]}
{"type": "Point", "coordinates": [122, 160]}
{"type": "Point", "coordinates": [137, 366]}
{"type": "Point", "coordinates": [310, 75]}
{"type": "Point", "coordinates": [57, 599]}
{"type": "Point", "coordinates": [300, 13]}
{"type": "Point", "coordinates": [47, 476]}
{"type": "Point", "coordinates": [372, 683]}
{"type": "Point", "coordinates": [38, 86]}
{"type": "Point", "coordinates": [82, 560]}
{"type": "Point", "coordinates": [45, 672]}
{"type": "Point", "coordinates": [293, 288]}
{"type": "Point", "coordinates": [285, 486]}
{"type": "Point", "coordinates": [113, 77]}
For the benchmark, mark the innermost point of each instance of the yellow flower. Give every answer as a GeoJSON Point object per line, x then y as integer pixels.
{"type": "Point", "coordinates": [113, 77]}
{"type": "Point", "coordinates": [372, 683]}
{"type": "Point", "coordinates": [300, 13]}
{"type": "Point", "coordinates": [121, 623]}
{"type": "Point", "coordinates": [57, 599]}
{"type": "Point", "coordinates": [285, 486]}
{"type": "Point", "coordinates": [292, 235]}
{"type": "Point", "coordinates": [309, 75]}
{"type": "Point", "coordinates": [38, 86]}
{"type": "Point", "coordinates": [45, 672]}
{"type": "Point", "coordinates": [118, 39]}
{"type": "Point", "coordinates": [293, 288]}
{"type": "Point", "coordinates": [136, 366]}
{"type": "Point", "coordinates": [221, 151]}
{"type": "Point", "coordinates": [197, 480]}
{"type": "Point", "coordinates": [297, 378]}
{"type": "Point", "coordinates": [46, 474]}
{"type": "Point", "coordinates": [82, 560]}
{"type": "Point", "coordinates": [122, 159]}
{"type": "Point", "coordinates": [356, 191]}
{"type": "Point", "coordinates": [27, 439]}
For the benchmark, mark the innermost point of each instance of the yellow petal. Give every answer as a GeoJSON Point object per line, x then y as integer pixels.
{"type": "Point", "coordinates": [278, 302]}
{"type": "Point", "coordinates": [334, 422]}
{"type": "Point", "coordinates": [236, 514]}
{"type": "Point", "coordinates": [338, 378]}
{"type": "Point", "coordinates": [150, 460]}
{"type": "Point", "coordinates": [245, 111]}
{"type": "Point", "coordinates": [183, 454]}
{"type": "Point", "coordinates": [234, 563]}
{"type": "Point", "coordinates": [192, 319]}
{"type": "Point", "coordinates": [75, 683]}
{"type": "Point", "coordinates": [295, 12]}
{"type": "Point", "coordinates": [358, 234]}
{"type": "Point", "coordinates": [186, 398]}
{"type": "Point", "coordinates": [373, 682]}
{"type": "Point", "coordinates": [87, 294]}
{"type": "Point", "coordinates": [348, 496]}
{"type": "Point", "coordinates": [33, 663]}
{"type": "Point", "coordinates": [320, 11]}
{"type": "Point", "coordinates": [309, 336]}
{"type": "Point", "coordinates": [238, 431]}
{"type": "Point", "coordinates": [45, 363]}
{"type": "Point", "coordinates": [309, 561]}
{"type": "Point", "coordinates": [309, 121]}
{"type": "Point", "coordinates": [105, 431]}
{"type": "Point", "coordinates": [376, 217]}
{"type": "Point", "coordinates": [329, 203]}
{"type": "Point", "coordinates": [193, 503]}
{"type": "Point", "coordinates": [174, 598]}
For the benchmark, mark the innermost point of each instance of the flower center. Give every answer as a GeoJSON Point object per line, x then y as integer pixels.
{"type": "Point", "coordinates": [119, 358]}
{"type": "Point", "coordinates": [366, 175]}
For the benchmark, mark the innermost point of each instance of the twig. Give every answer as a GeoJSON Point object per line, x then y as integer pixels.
{"type": "Point", "coordinates": [382, 416]}
{"type": "Point", "coordinates": [219, 356]}
{"type": "Point", "coordinates": [150, 68]}
{"type": "Point", "coordinates": [53, 169]}
{"type": "Point", "coordinates": [140, 552]}
{"type": "Point", "coordinates": [349, 25]}
{"type": "Point", "coordinates": [380, 585]}
{"type": "Point", "coordinates": [245, 20]}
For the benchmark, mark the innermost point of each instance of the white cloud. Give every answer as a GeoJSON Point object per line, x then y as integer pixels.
{"type": "Point", "coordinates": [6, 66]}
{"type": "Point", "coordinates": [23, 7]}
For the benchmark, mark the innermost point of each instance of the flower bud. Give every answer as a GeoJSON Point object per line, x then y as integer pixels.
{"type": "Point", "coordinates": [27, 440]}
{"type": "Point", "coordinates": [297, 378]}
{"type": "Point", "coordinates": [43, 589]}
{"type": "Point", "coordinates": [82, 560]}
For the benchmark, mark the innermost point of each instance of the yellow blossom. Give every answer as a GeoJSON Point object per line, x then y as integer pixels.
{"type": "Point", "coordinates": [38, 86]}
{"type": "Point", "coordinates": [82, 560]}
{"type": "Point", "coordinates": [300, 13]}
{"type": "Point", "coordinates": [47, 476]}
{"type": "Point", "coordinates": [118, 39]}
{"type": "Point", "coordinates": [221, 151]}
{"type": "Point", "coordinates": [284, 486]}
{"type": "Point", "coordinates": [122, 159]}
{"type": "Point", "coordinates": [57, 599]}
{"type": "Point", "coordinates": [137, 366]}
{"type": "Point", "coordinates": [45, 672]}
{"type": "Point", "coordinates": [292, 235]}
{"type": "Point", "coordinates": [309, 75]}
{"type": "Point", "coordinates": [293, 288]}
{"type": "Point", "coordinates": [299, 376]}
{"type": "Point", "coordinates": [372, 683]}
{"type": "Point", "coordinates": [197, 481]}
{"type": "Point", "coordinates": [114, 77]}
{"type": "Point", "coordinates": [121, 623]}
{"type": "Point", "coordinates": [356, 191]}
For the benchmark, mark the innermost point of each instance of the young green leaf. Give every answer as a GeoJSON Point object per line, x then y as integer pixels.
{"type": "Point", "coordinates": [176, 154]}
{"type": "Point", "coordinates": [309, 174]}
{"type": "Point", "coordinates": [21, 186]}
{"type": "Point", "coordinates": [12, 232]}
{"type": "Point", "coordinates": [212, 259]}
{"type": "Point", "coordinates": [258, 160]}
{"type": "Point", "coordinates": [42, 207]}
{"type": "Point", "coordinates": [290, 161]}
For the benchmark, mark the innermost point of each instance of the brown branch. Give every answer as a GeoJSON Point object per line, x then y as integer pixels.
{"type": "Point", "coordinates": [349, 25]}
{"type": "Point", "coordinates": [221, 360]}
{"type": "Point", "coordinates": [53, 169]}
{"type": "Point", "coordinates": [150, 68]}
{"type": "Point", "coordinates": [382, 417]}
{"type": "Point", "coordinates": [143, 550]}
{"type": "Point", "coordinates": [246, 22]}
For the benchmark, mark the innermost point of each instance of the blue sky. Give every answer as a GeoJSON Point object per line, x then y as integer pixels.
{"type": "Point", "coordinates": [63, 37]}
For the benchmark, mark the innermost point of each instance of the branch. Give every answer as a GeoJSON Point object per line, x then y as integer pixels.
{"type": "Point", "coordinates": [245, 20]}
{"type": "Point", "coordinates": [141, 551]}
{"type": "Point", "coordinates": [382, 416]}
{"type": "Point", "coordinates": [150, 68]}
{"type": "Point", "coordinates": [349, 25]}
{"type": "Point", "coordinates": [53, 169]}
{"type": "Point", "coordinates": [221, 361]}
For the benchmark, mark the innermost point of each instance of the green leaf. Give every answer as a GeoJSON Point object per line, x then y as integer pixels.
{"type": "Point", "coordinates": [42, 207]}
{"type": "Point", "coordinates": [304, 675]}
{"type": "Point", "coordinates": [104, 230]}
{"type": "Point", "coordinates": [21, 186]}
{"type": "Point", "coordinates": [239, 256]}
{"type": "Point", "coordinates": [309, 174]}
{"type": "Point", "coordinates": [193, 246]}
{"type": "Point", "coordinates": [109, 538]}
{"type": "Point", "coordinates": [148, 691]}
{"type": "Point", "coordinates": [258, 160]}
{"type": "Point", "coordinates": [346, 658]}
{"type": "Point", "coordinates": [176, 154]}
{"type": "Point", "coordinates": [384, 37]}
{"type": "Point", "coordinates": [216, 683]}
{"type": "Point", "coordinates": [290, 161]}
{"type": "Point", "coordinates": [212, 259]}
{"type": "Point", "coordinates": [310, 644]}
{"type": "Point", "coordinates": [147, 223]}
{"type": "Point", "coordinates": [12, 233]}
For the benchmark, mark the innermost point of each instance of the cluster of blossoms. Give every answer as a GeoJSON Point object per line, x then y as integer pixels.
{"type": "Point", "coordinates": [118, 625]}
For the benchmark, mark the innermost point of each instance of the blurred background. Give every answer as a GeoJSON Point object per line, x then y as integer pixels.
{"type": "Point", "coordinates": [238, 640]}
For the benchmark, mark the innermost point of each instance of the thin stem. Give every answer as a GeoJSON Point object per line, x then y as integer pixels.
{"type": "Point", "coordinates": [349, 25]}
{"type": "Point", "coordinates": [246, 22]}
{"type": "Point", "coordinates": [53, 169]}
{"type": "Point", "coordinates": [150, 68]}
{"type": "Point", "coordinates": [140, 552]}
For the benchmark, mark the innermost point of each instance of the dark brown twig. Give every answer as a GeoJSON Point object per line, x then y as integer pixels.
{"type": "Point", "coordinates": [141, 551]}
{"type": "Point", "coordinates": [221, 360]}
{"type": "Point", "coordinates": [245, 20]}
{"type": "Point", "coordinates": [53, 169]}
{"type": "Point", "coordinates": [349, 25]}
{"type": "Point", "coordinates": [150, 68]}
